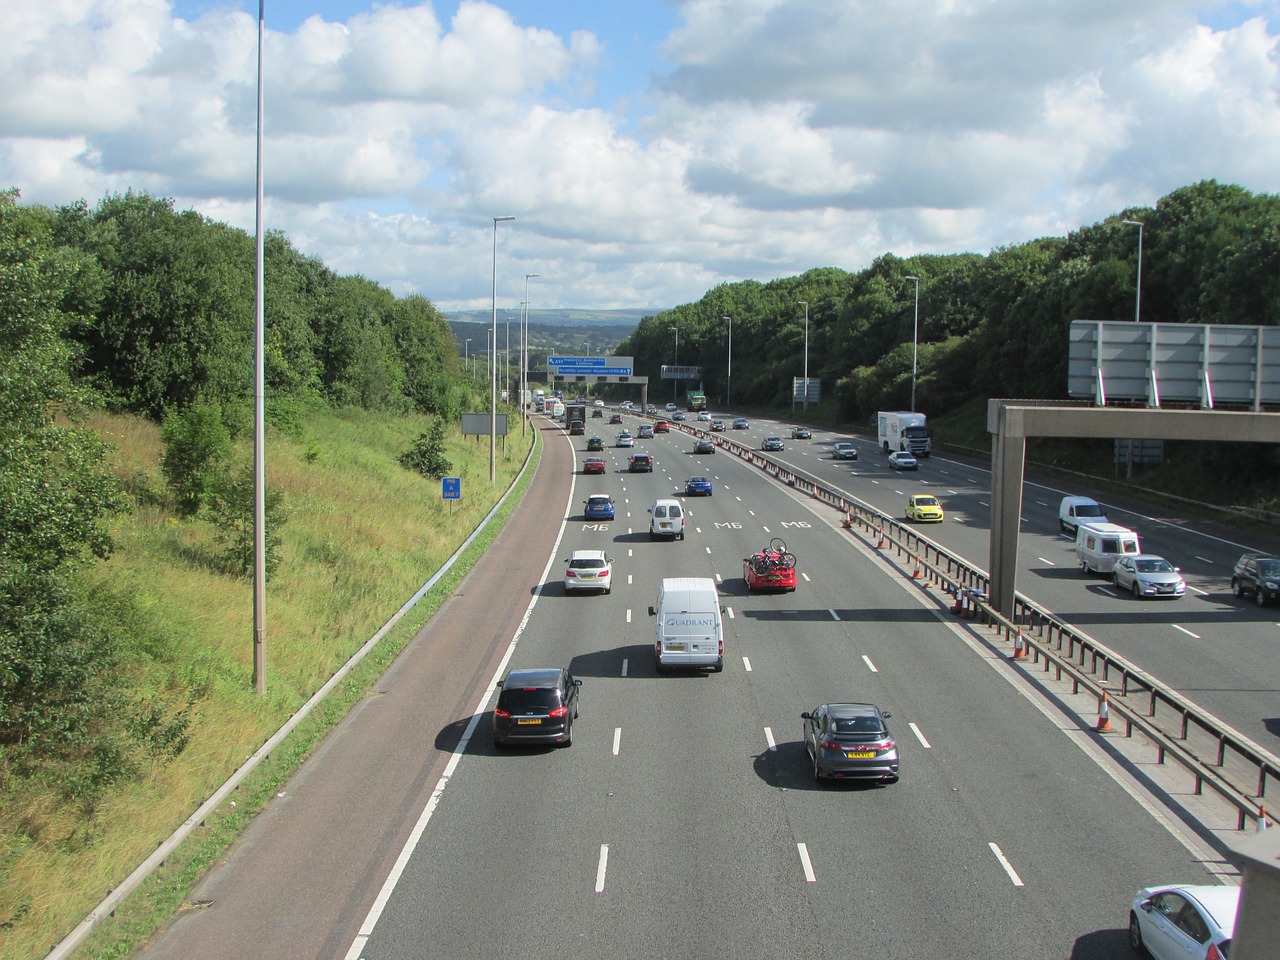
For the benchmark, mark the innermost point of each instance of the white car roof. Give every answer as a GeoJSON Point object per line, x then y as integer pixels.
{"type": "Point", "coordinates": [587, 555]}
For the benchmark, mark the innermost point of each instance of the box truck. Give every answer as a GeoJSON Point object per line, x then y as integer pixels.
{"type": "Point", "coordinates": [900, 430]}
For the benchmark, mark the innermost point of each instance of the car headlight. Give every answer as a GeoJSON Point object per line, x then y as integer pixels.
{"type": "Point", "coordinates": [1271, 584]}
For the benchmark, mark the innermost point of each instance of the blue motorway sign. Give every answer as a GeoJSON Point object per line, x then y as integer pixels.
{"type": "Point", "coordinates": [450, 488]}
{"type": "Point", "coordinates": [592, 366]}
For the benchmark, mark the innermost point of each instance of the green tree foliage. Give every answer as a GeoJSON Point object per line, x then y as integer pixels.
{"type": "Point", "coordinates": [55, 496]}
{"type": "Point", "coordinates": [426, 456]}
{"type": "Point", "coordinates": [231, 513]}
{"type": "Point", "coordinates": [197, 448]}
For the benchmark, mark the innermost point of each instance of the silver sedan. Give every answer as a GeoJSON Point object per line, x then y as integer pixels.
{"type": "Point", "coordinates": [1146, 575]}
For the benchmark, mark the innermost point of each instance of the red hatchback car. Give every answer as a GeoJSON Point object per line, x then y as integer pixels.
{"type": "Point", "coordinates": [770, 569]}
{"type": "Point", "coordinates": [661, 426]}
{"type": "Point", "coordinates": [593, 465]}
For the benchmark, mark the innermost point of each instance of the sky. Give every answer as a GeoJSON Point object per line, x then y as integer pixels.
{"type": "Point", "coordinates": [649, 150]}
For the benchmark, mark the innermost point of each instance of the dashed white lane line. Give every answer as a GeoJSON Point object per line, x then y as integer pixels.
{"type": "Point", "coordinates": [729, 611]}
{"type": "Point", "coordinates": [628, 614]}
{"type": "Point", "coordinates": [617, 740]}
{"type": "Point", "coordinates": [1008, 867]}
{"type": "Point", "coordinates": [604, 865]}
{"type": "Point", "coordinates": [806, 864]}
{"type": "Point", "coordinates": [768, 738]}
{"type": "Point", "coordinates": [870, 666]}
{"type": "Point", "coordinates": [920, 736]}
{"type": "Point", "coordinates": [806, 578]}
{"type": "Point", "coordinates": [746, 664]}
{"type": "Point", "coordinates": [708, 549]}
{"type": "Point", "coordinates": [1203, 593]}
{"type": "Point", "coordinates": [624, 666]}
{"type": "Point", "coordinates": [629, 579]}
{"type": "Point", "coordinates": [1202, 559]}
{"type": "Point", "coordinates": [1193, 636]}
{"type": "Point", "coordinates": [1047, 563]}
{"type": "Point", "coordinates": [765, 529]}
{"type": "Point", "coordinates": [834, 615]}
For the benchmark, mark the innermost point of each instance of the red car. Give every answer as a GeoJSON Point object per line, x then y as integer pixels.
{"type": "Point", "coordinates": [770, 569]}
{"type": "Point", "coordinates": [661, 426]}
{"type": "Point", "coordinates": [593, 465]}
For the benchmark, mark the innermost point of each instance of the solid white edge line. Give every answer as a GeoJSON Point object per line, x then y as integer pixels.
{"type": "Point", "coordinates": [1008, 867]}
{"type": "Point", "coordinates": [920, 736]}
{"type": "Point", "coordinates": [870, 666]}
{"type": "Point", "coordinates": [406, 852]}
{"type": "Point", "coordinates": [617, 740]}
{"type": "Point", "coordinates": [746, 664]}
{"type": "Point", "coordinates": [806, 864]}
{"type": "Point", "coordinates": [768, 738]}
{"type": "Point", "coordinates": [600, 870]}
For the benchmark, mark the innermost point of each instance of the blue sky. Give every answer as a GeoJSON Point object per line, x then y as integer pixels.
{"type": "Point", "coordinates": [650, 150]}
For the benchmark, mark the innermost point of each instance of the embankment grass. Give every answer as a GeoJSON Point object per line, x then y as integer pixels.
{"type": "Point", "coordinates": [361, 537]}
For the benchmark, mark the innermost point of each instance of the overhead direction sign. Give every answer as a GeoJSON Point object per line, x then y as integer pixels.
{"type": "Point", "coordinates": [591, 366]}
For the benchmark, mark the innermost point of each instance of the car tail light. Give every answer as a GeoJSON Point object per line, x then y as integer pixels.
{"type": "Point", "coordinates": [720, 648]}
{"type": "Point", "coordinates": [1214, 953]}
{"type": "Point", "coordinates": [603, 573]}
{"type": "Point", "coordinates": [501, 714]}
{"type": "Point", "coordinates": [558, 712]}
{"type": "Point", "coordinates": [570, 573]}
{"type": "Point", "coordinates": [832, 745]}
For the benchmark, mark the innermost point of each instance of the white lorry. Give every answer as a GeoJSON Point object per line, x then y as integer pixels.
{"type": "Point", "coordinates": [900, 430]}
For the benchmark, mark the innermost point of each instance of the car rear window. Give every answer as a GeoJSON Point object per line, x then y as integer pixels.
{"type": "Point", "coordinates": [528, 699]}
{"type": "Point", "coordinates": [591, 564]}
{"type": "Point", "coordinates": [857, 727]}
{"type": "Point", "coordinates": [675, 510]}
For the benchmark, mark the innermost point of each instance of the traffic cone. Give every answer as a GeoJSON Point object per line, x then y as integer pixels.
{"type": "Point", "coordinates": [917, 573]}
{"type": "Point", "coordinates": [847, 523]}
{"type": "Point", "coordinates": [880, 544]}
{"type": "Point", "coordinates": [1262, 819]}
{"type": "Point", "coordinates": [1104, 714]}
{"type": "Point", "coordinates": [1019, 647]}
{"type": "Point", "coordinates": [958, 606]}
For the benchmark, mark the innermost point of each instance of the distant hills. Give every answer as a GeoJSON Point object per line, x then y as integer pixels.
{"type": "Point", "coordinates": [559, 318]}
{"type": "Point", "coordinates": [595, 332]}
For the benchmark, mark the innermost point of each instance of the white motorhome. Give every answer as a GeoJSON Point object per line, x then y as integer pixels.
{"type": "Point", "coordinates": [690, 630]}
{"type": "Point", "coordinates": [1099, 545]}
{"type": "Point", "coordinates": [901, 430]}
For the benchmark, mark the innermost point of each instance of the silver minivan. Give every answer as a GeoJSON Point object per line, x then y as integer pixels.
{"type": "Point", "coordinates": [666, 519]}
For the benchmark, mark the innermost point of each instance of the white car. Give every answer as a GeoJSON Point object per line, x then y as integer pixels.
{"type": "Point", "coordinates": [903, 461]}
{"type": "Point", "coordinates": [671, 406]}
{"type": "Point", "coordinates": [624, 440]}
{"type": "Point", "coordinates": [1146, 575]}
{"type": "Point", "coordinates": [1177, 922]}
{"type": "Point", "coordinates": [599, 403]}
{"type": "Point", "coordinates": [704, 416]}
{"type": "Point", "coordinates": [588, 570]}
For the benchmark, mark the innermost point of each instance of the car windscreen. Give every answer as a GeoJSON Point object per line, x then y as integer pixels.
{"type": "Point", "coordinates": [528, 700]}
{"type": "Point", "coordinates": [1154, 566]}
{"type": "Point", "coordinates": [1089, 510]}
{"type": "Point", "coordinates": [1269, 568]}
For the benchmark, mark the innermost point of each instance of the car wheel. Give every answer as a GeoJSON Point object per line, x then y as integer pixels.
{"type": "Point", "coordinates": [817, 769]}
{"type": "Point", "coordinates": [1236, 588]}
{"type": "Point", "coordinates": [608, 590]}
{"type": "Point", "coordinates": [681, 534]}
{"type": "Point", "coordinates": [1135, 934]}
{"type": "Point", "coordinates": [1084, 568]}
{"type": "Point", "coordinates": [1259, 597]}
{"type": "Point", "coordinates": [1137, 594]}
{"type": "Point", "coordinates": [568, 737]}
{"type": "Point", "coordinates": [1063, 527]}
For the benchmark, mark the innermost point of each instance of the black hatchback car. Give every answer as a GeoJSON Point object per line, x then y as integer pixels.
{"type": "Point", "coordinates": [850, 740]}
{"type": "Point", "coordinates": [536, 706]}
{"type": "Point", "coordinates": [641, 463]}
{"type": "Point", "coordinates": [1258, 576]}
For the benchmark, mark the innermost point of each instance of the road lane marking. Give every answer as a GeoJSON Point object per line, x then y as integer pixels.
{"type": "Point", "coordinates": [628, 614]}
{"type": "Point", "coordinates": [719, 579]}
{"type": "Point", "coordinates": [834, 616]}
{"type": "Point", "coordinates": [985, 504]}
{"type": "Point", "coordinates": [765, 529]}
{"type": "Point", "coordinates": [1203, 593]}
{"type": "Point", "coordinates": [624, 666]}
{"type": "Point", "coordinates": [804, 862]}
{"type": "Point", "coordinates": [1108, 591]}
{"type": "Point", "coordinates": [1047, 562]}
{"type": "Point", "coordinates": [729, 610]}
{"type": "Point", "coordinates": [768, 737]}
{"type": "Point", "coordinates": [1203, 559]}
{"type": "Point", "coordinates": [617, 739]}
{"type": "Point", "coordinates": [870, 666]}
{"type": "Point", "coordinates": [806, 578]}
{"type": "Point", "coordinates": [1194, 636]}
{"type": "Point", "coordinates": [746, 664]}
{"type": "Point", "coordinates": [600, 870]}
{"type": "Point", "coordinates": [708, 549]}
{"type": "Point", "coordinates": [1008, 867]}
{"type": "Point", "coordinates": [920, 736]}
{"type": "Point", "coordinates": [628, 579]}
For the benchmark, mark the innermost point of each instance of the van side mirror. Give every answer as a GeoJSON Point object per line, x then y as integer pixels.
{"type": "Point", "coordinates": [653, 612]}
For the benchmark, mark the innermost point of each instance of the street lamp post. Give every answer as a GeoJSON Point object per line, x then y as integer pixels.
{"type": "Point", "coordinates": [524, 355]}
{"type": "Point", "coordinates": [675, 362]}
{"type": "Point", "coordinates": [493, 362]}
{"type": "Point", "coordinates": [466, 354]}
{"type": "Point", "coordinates": [728, 377]}
{"type": "Point", "coordinates": [806, 354]}
{"type": "Point", "coordinates": [915, 343]}
{"type": "Point", "coordinates": [1137, 296]}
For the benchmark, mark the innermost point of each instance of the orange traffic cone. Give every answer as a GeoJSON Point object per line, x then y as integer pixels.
{"type": "Point", "coordinates": [1262, 819]}
{"type": "Point", "coordinates": [1104, 714]}
{"type": "Point", "coordinates": [1019, 647]}
{"type": "Point", "coordinates": [880, 543]}
{"type": "Point", "coordinates": [917, 573]}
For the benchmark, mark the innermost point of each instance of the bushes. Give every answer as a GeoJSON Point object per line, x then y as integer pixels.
{"type": "Point", "coordinates": [426, 456]}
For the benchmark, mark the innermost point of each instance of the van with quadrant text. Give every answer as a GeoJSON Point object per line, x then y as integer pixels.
{"type": "Point", "coordinates": [1099, 545]}
{"type": "Point", "coordinates": [690, 631]}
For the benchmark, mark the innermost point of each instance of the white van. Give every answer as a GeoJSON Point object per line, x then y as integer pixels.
{"type": "Point", "coordinates": [690, 626]}
{"type": "Point", "coordinates": [1074, 511]}
{"type": "Point", "coordinates": [1098, 545]}
{"type": "Point", "coordinates": [666, 519]}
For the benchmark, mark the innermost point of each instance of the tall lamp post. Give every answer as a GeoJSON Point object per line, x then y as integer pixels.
{"type": "Point", "coordinates": [493, 362]}
{"type": "Point", "coordinates": [1137, 297]}
{"type": "Point", "coordinates": [466, 354]}
{"type": "Point", "coordinates": [728, 377]}
{"type": "Point", "coordinates": [675, 362]}
{"type": "Point", "coordinates": [524, 355]}
{"type": "Point", "coordinates": [806, 354]}
{"type": "Point", "coordinates": [915, 343]}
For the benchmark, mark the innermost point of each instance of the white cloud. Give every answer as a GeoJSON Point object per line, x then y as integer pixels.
{"type": "Point", "coordinates": [779, 135]}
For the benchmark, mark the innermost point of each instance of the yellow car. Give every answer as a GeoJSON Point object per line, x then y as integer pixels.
{"type": "Point", "coordinates": [924, 508]}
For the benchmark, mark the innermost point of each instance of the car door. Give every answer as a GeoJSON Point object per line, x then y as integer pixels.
{"type": "Point", "coordinates": [811, 728]}
{"type": "Point", "coordinates": [1164, 939]}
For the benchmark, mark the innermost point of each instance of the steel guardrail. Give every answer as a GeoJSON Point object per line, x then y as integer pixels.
{"type": "Point", "coordinates": [1239, 770]}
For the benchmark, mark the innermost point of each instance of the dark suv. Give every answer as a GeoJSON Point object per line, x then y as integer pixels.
{"type": "Point", "coordinates": [641, 463]}
{"type": "Point", "coordinates": [1259, 575]}
{"type": "Point", "coordinates": [536, 706]}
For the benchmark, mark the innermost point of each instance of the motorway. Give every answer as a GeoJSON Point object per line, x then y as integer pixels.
{"type": "Point", "coordinates": [1218, 651]}
{"type": "Point", "coordinates": [684, 821]}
